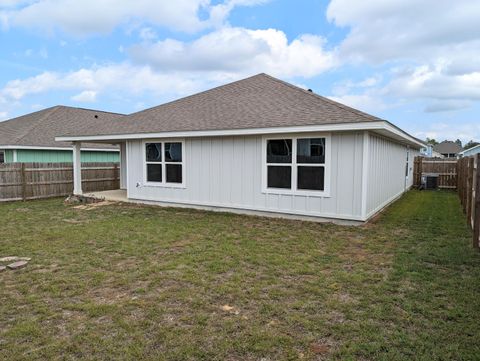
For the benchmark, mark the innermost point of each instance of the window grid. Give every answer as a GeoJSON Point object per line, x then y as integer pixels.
{"type": "Point", "coordinates": [164, 164]}
{"type": "Point", "coordinates": [295, 165]}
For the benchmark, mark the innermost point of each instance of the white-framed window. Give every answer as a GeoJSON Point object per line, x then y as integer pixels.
{"type": "Point", "coordinates": [2, 156]}
{"type": "Point", "coordinates": [164, 163]}
{"type": "Point", "coordinates": [297, 164]}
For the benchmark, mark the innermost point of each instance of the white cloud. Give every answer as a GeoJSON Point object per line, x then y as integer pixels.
{"type": "Point", "coordinates": [398, 29]}
{"type": "Point", "coordinates": [432, 82]}
{"type": "Point", "coordinates": [447, 105]}
{"type": "Point", "coordinates": [240, 51]}
{"type": "Point", "coordinates": [3, 116]}
{"type": "Point", "coordinates": [11, 3]}
{"type": "Point", "coordinates": [102, 16]}
{"type": "Point", "coordinates": [370, 103]}
{"type": "Point", "coordinates": [450, 131]}
{"type": "Point", "coordinates": [147, 34]}
{"type": "Point", "coordinates": [116, 79]}
{"type": "Point", "coordinates": [220, 12]}
{"type": "Point", "coordinates": [87, 96]}
{"type": "Point", "coordinates": [433, 46]}
{"type": "Point", "coordinates": [88, 17]}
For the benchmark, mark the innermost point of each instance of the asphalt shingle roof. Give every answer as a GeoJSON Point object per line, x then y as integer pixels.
{"type": "Point", "coordinates": [40, 128]}
{"type": "Point", "coordinates": [447, 147]}
{"type": "Point", "coordinates": [260, 101]}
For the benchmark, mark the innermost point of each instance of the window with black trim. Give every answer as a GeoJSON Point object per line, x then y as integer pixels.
{"type": "Point", "coordinates": [296, 164]}
{"type": "Point", "coordinates": [164, 162]}
{"type": "Point", "coordinates": [2, 156]}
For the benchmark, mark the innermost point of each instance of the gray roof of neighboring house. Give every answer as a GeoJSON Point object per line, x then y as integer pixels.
{"type": "Point", "coordinates": [447, 146]}
{"type": "Point", "coordinates": [40, 128]}
{"type": "Point", "coordinates": [260, 101]}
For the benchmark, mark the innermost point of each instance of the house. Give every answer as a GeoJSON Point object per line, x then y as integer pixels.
{"type": "Point", "coordinates": [427, 151]}
{"type": "Point", "coordinates": [470, 151]}
{"type": "Point", "coordinates": [31, 137]}
{"type": "Point", "coordinates": [258, 145]}
{"type": "Point", "coordinates": [448, 149]}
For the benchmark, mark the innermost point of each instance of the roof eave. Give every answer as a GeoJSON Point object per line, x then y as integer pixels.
{"type": "Point", "coordinates": [40, 147]}
{"type": "Point", "coordinates": [379, 126]}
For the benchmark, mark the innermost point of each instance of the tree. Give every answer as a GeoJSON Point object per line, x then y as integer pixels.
{"type": "Point", "coordinates": [470, 144]}
{"type": "Point", "coordinates": [431, 141]}
{"type": "Point", "coordinates": [459, 142]}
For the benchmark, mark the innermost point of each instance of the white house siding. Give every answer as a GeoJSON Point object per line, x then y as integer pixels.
{"type": "Point", "coordinates": [227, 172]}
{"type": "Point", "coordinates": [386, 172]}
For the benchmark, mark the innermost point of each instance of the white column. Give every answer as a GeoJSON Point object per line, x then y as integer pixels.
{"type": "Point", "coordinates": [123, 166]}
{"type": "Point", "coordinates": [77, 169]}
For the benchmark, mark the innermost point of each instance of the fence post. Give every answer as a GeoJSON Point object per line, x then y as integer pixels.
{"type": "Point", "coordinates": [476, 203]}
{"type": "Point", "coordinates": [470, 184]}
{"type": "Point", "coordinates": [24, 182]}
{"type": "Point", "coordinates": [417, 171]}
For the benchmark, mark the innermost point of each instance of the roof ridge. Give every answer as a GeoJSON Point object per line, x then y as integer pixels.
{"type": "Point", "coordinates": [49, 111]}
{"type": "Point", "coordinates": [337, 104]}
{"type": "Point", "coordinates": [90, 110]}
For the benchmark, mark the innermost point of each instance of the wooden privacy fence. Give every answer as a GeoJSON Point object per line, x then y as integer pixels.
{"type": "Point", "coordinates": [22, 181]}
{"type": "Point", "coordinates": [469, 192]}
{"type": "Point", "coordinates": [463, 175]}
{"type": "Point", "coordinates": [445, 168]}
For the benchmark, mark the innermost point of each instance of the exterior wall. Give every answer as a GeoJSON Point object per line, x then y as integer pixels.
{"type": "Point", "coordinates": [227, 172]}
{"type": "Point", "coordinates": [386, 175]}
{"type": "Point", "coordinates": [59, 156]}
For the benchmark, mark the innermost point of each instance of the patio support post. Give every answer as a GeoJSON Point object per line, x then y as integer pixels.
{"type": "Point", "coordinates": [77, 169]}
{"type": "Point", "coordinates": [123, 165]}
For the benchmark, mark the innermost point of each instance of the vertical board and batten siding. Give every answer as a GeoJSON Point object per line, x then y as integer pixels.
{"type": "Point", "coordinates": [386, 172]}
{"type": "Point", "coordinates": [227, 172]}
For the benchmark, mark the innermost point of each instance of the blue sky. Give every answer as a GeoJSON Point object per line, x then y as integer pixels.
{"type": "Point", "coordinates": [412, 62]}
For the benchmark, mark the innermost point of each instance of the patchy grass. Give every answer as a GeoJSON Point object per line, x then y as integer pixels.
{"type": "Point", "coordinates": [131, 282]}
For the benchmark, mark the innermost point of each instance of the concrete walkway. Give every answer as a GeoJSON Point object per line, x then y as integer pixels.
{"type": "Point", "coordinates": [117, 195]}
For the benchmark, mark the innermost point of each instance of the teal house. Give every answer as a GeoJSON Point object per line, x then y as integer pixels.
{"type": "Point", "coordinates": [31, 137]}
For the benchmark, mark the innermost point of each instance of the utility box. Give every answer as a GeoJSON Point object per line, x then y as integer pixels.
{"type": "Point", "coordinates": [430, 181]}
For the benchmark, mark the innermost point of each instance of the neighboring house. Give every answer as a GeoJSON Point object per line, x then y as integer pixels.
{"type": "Point", "coordinates": [31, 137]}
{"type": "Point", "coordinates": [448, 149]}
{"type": "Point", "coordinates": [471, 151]}
{"type": "Point", "coordinates": [427, 151]}
{"type": "Point", "coordinates": [261, 145]}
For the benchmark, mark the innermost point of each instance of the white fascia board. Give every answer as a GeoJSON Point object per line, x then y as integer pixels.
{"type": "Point", "coordinates": [378, 125]}
{"type": "Point", "coordinates": [397, 131]}
{"type": "Point", "coordinates": [31, 147]}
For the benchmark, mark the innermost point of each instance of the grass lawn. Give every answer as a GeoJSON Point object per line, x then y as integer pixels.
{"type": "Point", "coordinates": [136, 282]}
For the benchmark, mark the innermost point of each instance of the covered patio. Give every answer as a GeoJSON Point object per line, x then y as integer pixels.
{"type": "Point", "coordinates": [77, 170]}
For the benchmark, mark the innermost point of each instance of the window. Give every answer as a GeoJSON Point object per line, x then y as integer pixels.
{"type": "Point", "coordinates": [311, 151]}
{"type": "Point", "coordinates": [2, 156]}
{"type": "Point", "coordinates": [279, 160]}
{"type": "Point", "coordinates": [296, 165]}
{"type": "Point", "coordinates": [164, 162]}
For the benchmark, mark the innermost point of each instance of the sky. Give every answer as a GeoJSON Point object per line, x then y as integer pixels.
{"type": "Point", "coordinates": [414, 63]}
